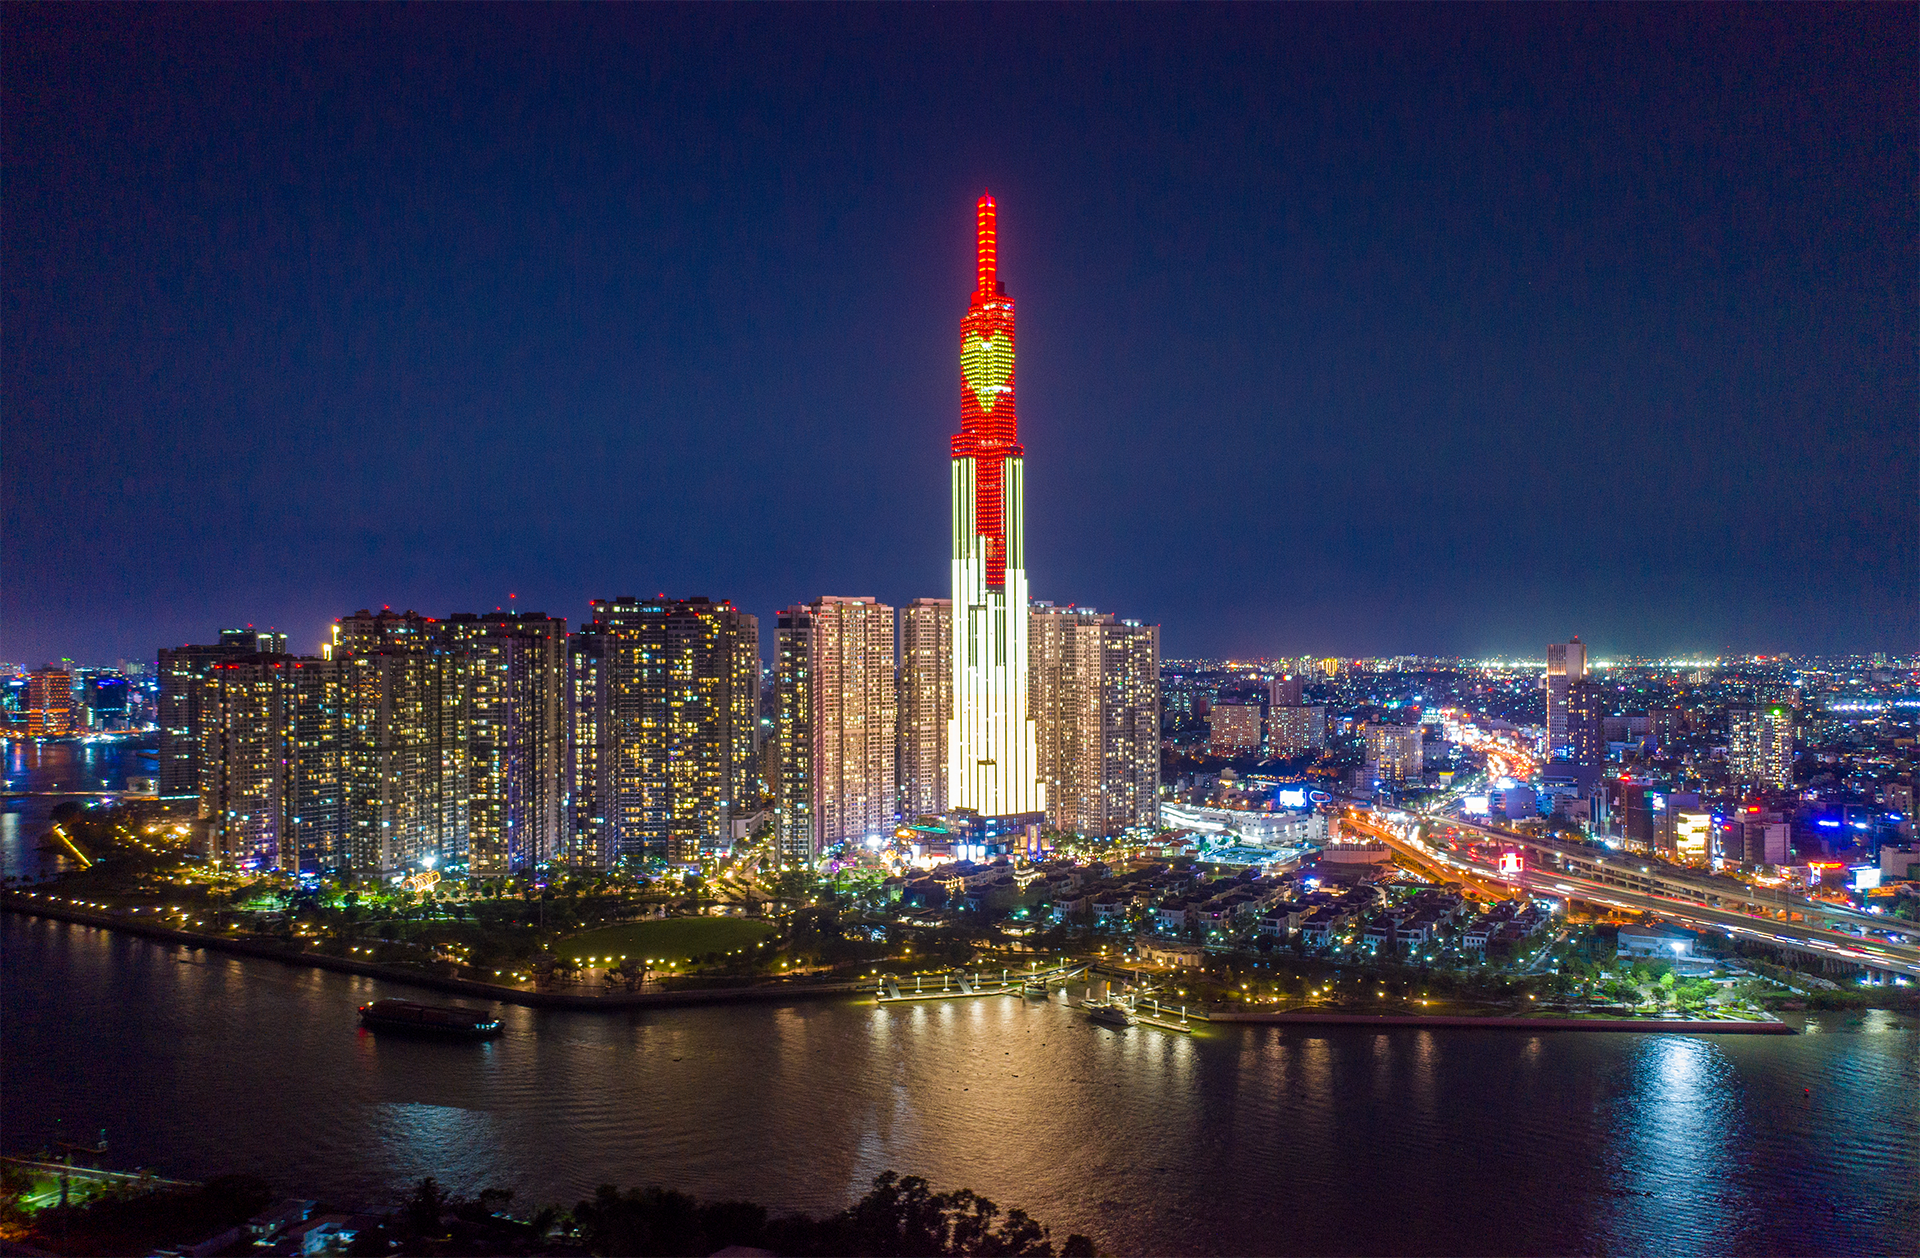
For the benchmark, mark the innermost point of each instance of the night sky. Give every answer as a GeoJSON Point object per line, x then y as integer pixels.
{"type": "Point", "coordinates": [1343, 330]}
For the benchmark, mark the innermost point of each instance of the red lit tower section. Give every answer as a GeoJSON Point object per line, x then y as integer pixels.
{"type": "Point", "coordinates": [991, 749]}
{"type": "Point", "coordinates": [989, 423]}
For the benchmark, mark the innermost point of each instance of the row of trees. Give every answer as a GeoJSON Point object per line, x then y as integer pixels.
{"type": "Point", "coordinates": [899, 1216]}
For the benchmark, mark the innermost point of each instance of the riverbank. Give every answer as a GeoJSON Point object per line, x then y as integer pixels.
{"type": "Point", "coordinates": [1715, 1026]}
{"type": "Point", "coordinates": [770, 993]}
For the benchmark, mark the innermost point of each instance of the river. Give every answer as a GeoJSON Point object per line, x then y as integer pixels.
{"type": "Point", "coordinates": [1240, 1140]}
{"type": "Point", "coordinates": [47, 768]}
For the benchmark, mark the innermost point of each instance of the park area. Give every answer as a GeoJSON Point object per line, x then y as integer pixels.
{"type": "Point", "coordinates": [666, 941]}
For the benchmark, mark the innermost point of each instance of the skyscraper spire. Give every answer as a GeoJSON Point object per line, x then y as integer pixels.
{"type": "Point", "coordinates": [986, 244]}
{"type": "Point", "coordinates": [992, 766]}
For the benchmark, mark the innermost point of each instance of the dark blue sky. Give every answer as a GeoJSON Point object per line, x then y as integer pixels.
{"type": "Point", "coordinates": [1345, 330]}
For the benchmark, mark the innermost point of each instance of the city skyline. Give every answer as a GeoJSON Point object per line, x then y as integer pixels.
{"type": "Point", "coordinates": [1476, 335]}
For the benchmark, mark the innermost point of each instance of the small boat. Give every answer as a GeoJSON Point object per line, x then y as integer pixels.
{"type": "Point", "coordinates": [405, 1015]}
{"type": "Point", "coordinates": [1035, 987]}
{"type": "Point", "coordinates": [1109, 1015]}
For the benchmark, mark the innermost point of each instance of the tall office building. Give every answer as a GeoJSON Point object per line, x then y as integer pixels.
{"type": "Point", "coordinates": [1566, 664]}
{"type": "Point", "coordinates": [516, 732]}
{"type": "Point", "coordinates": [50, 701]}
{"type": "Point", "coordinates": [683, 691]}
{"type": "Point", "coordinates": [992, 765]}
{"type": "Point", "coordinates": [838, 725]}
{"type": "Point", "coordinates": [1096, 707]}
{"type": "Point", "coordinates": [926, 704]}
{"type": "Point", "coordinates": [105, 701]}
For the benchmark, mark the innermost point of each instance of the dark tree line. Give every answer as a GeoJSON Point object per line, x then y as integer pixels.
{"type": "Point", "coordinates": [899, 1217]}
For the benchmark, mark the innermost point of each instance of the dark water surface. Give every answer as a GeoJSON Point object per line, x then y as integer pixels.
{"type": "Point", "coordinates": [1242, 1140]}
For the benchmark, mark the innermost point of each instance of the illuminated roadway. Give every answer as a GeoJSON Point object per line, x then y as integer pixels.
{"type": "Point", "coordinates": [1809, 939]}
{"type": "Point", "coordinates": [1627, 873]}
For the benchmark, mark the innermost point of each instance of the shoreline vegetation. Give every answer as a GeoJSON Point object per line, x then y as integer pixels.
{"type": "Point", "coordinates": [235, 1214]}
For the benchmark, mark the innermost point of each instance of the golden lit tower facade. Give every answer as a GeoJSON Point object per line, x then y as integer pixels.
{"type": "Point", "coordinates": [992, 766]}
{"type": "Point", "coordinates": [926, 704]}
{"type": "Point", "coordinates": [838, 718]}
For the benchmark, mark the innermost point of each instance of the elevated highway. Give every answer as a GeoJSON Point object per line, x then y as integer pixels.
{"type": "Point", "coordinates": [1656, 878]}
{"type": "Point", "coordinates": [1603, 883]}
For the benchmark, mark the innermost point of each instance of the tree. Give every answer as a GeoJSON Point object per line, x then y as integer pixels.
{"type": "Point", "coordinates": [422, 1210]}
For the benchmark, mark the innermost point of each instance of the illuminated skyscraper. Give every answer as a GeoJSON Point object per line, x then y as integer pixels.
{"type": "Point", "coordinates": [589, 836]}
{"type": "Point", "coordinates": [837, 725]}
{"type": "Point", "coordinates": [516, 682]}
{"type": "Point", "coordinates": [1566, 664]}
{"type": "Point", "coordinates": [50, 701]}
{"type": "Point", "coordinates": [1096, 708]}
{"type": "Point", "coordinates": [182, 670]}
{"type": "Point", "coordinates": [1760, 744]}
{"type": "Point", "coordinates": [270, 787]}
{"type": "Point", "coordinates": [992, 763]}
{"type": "Point", "coordinates": [682, 678]}
{"type": "Point", "coordinates": [926, 704]}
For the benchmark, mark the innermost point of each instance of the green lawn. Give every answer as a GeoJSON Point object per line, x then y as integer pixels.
{"type": "Point", "coordinates": [672, 939]}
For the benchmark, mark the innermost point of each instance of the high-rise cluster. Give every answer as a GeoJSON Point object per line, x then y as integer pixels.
{"type": "Point", "coordinates": [496, 743]}
{"type": "Point", "coordinates": [492, 743]}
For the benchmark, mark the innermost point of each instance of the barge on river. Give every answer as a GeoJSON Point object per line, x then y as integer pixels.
{"type": "Point", "coordinates": [405, 1015]}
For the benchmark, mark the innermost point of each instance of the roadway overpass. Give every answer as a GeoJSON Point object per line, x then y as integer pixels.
{"type": "Point", "coordinates": [1647, 895]}
{"type": "Point", "coordinates": [1657, 878]}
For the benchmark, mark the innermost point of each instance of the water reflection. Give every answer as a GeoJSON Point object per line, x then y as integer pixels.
{"type": "Point", "coordinates": [45, 768]}
{"type": "Point", "coordinates": [1683, 1144]}
{"type": "Point", "coordinates": [1239, 1139]}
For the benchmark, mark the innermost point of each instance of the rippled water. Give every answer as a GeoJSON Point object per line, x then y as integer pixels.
{"type": "Point", "coordinates": [1241, 1140]}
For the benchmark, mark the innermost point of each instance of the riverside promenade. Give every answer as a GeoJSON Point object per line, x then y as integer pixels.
{"type": "Point", "coordinates": [1494, 1022]}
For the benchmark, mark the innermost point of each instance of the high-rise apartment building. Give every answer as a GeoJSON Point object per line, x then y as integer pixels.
{"type": "Point", "coordinates": [1586, 730]}
{"type": "Point", "coordinates": [926, 704]}
{"type": "Point", "coordinates": [1394, 752]}
{"type": "Point", "coordinates": [1566, 664]}
{"type": "Point", "coordinates": [1292, 730]}
{"type": "Point", "coordinates": [683, 692]}
{"type": "Point", "coordinates": [1236, 729]}
{"type": "Point", "coordinates": [271, 789]}
{"type": "Point", "coordinates": [1284, 691]}
{"type": "Point", "coordinates": [838, 725]}
{"type": "Point", "coordinates": [404, 755]}
{"type": "Point", "coordinates": [991, 759]}
{"type": "Point", "coordinates": [181, 671]}
{"type": "Point", "coordinates": [1096, 704]}
{"type": "Point", "coordinates": [50, 701]}
{"type": "Point", "coordinates": [589, 841]}
{"type": "Point", "coordinates": [1760, 744]}
{"type": "Point", "coordinates": [516, 731]}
